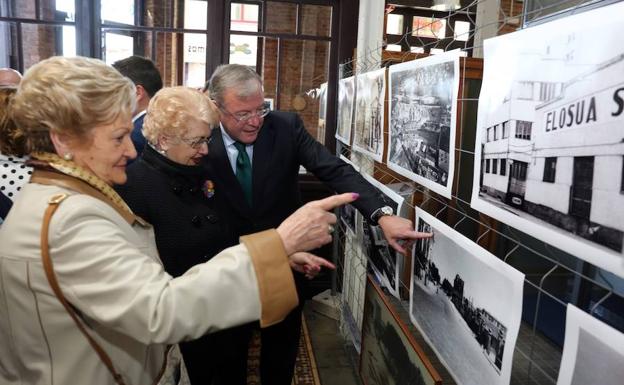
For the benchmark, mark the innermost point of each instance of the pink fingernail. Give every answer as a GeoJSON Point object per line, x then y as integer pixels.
{"type": "Point", "coordinates": [355, 195]}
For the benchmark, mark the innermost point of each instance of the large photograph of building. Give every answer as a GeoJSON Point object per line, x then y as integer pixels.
{"type": "Point", "coordinates": [346, 95]}
{"type": "Point", "coordinates": [593, 352]}
{"type": "Point", "coordinates": [466, 302]}
{"type": "Point", "coordinates": [369, 114]}
{"type": "Point", "coordinates": [422, 115]}
{"type": "Point", "coordinates": [549, 152]}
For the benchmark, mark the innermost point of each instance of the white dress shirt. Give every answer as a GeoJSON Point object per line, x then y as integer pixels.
{"type": "Point", "coordinates": [232, 152]}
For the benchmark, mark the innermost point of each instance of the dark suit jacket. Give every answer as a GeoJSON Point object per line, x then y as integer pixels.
{"type": "Point", "coordinates": [282, 145]}
{"type": "Point", "coordinates": [137, 136]}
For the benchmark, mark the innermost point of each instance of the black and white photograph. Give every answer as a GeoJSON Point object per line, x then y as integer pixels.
{"type": "Point", "coordinates": [384, 262]}
{"type": "Point", "coordinates": [422, 116]}
{"type": "Point", "coordinates": [322, 96]}
{"type": "Point", "coordinates": [369, 114]}
{"type": "Point", "coordinates": [466, 302]}
{"type": "Point", "coordinates": [354, 284]}
{"type": "Point", "coordinates": [388, 356]}
{"type": "Point", "coordinates": [593, 352]}
{"type": "Point", "coordinates": [346, 214]}
{"type": "Point", "coordinates": [346, 96]}
{"type": "Point", "coordinates": [549, 155]}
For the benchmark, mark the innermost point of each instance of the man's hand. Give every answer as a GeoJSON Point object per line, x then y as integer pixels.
{"type": "Point", "coordinates": [397, 229]}
{"type": "Point", "coordinates": [309, 264]}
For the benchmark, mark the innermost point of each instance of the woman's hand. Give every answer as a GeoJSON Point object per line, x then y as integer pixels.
{"type": "Point", "coordinates": [311, 226]}
{"type": "Point", "coordinates": [309, 264]}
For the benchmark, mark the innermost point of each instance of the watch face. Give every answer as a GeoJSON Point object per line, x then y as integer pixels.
{"type": "Point", "coordinates": [387, 210]}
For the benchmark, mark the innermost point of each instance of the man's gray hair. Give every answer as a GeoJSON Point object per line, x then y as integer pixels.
{"type": "Point", "coordinates": [235, 77]}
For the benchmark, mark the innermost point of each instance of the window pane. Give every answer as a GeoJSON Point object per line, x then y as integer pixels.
{"type": "Point", "coordinates": [393, 47]}
{"type": "Point", "coordinates": [394, 24]}
{"type": "Point", "coordinates": [8, 46]}
{"type": "Point", "coordinates": [195, 14]}
{"type": "Point", "coordinates": [435, 51]}
{"type": "Point", "coordinates": [117, 46]}
{"type": "Point", "coordinates": [429, 27]}
{"type": "Point", "coordinates": [40, 42]}
{"type": "Point", "coordinates": [194, 60]}
{"type": "Point", "coordinates": [281, 17]}
{"type": "Point", "coordinates": [417, 50]}
{"type": "Point", "coordinates": [316, 20]}
{"type": "Point", "coordinates": [244, 50]}
{"type": "Point", "coordinates": [68, 36]}
{"type": "Point", "coordinates": [462, 30]}
{"type": "Point", "coordinates": [303, 67]}
{"type": "Point", "coordinates": [244, 17]}
{"type": "Point", "coordinates": [118, 11]}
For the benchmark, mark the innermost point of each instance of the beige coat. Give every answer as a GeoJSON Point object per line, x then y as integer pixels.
{"type": "Point", "coordinates": [109, 271]}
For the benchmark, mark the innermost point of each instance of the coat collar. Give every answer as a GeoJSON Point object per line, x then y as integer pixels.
{"type": "Point", "coordinates": [53, 177]}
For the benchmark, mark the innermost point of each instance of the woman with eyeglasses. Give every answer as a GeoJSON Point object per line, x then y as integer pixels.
{"type": "Point", "coordinates": [167, 187]}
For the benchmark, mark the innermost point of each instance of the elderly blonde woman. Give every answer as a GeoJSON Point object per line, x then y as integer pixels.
{"type": "Point", "coordinates": [168, 188]}
{"type": "Point", "coordinates": [84, 298]}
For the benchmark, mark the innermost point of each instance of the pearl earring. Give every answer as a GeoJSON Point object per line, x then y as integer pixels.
{"type": "Point", "coordinates": [68, 156]}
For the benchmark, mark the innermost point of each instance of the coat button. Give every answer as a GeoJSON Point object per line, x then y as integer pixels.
{"type": "Point", "coordinates": [212, 218]}
{"type": "Point", "coordinates": [177, 190]}
{"type": "Point", "coordinates": [196, 220]}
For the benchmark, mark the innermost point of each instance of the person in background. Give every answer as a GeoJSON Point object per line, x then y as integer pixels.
{"type": "Point", "coordinates": [9, 77]}
{"type": "Point", "coordinates": [167, 187]}
{"type": "Point", "coordinates": [84, 297]}
{"type": "Point", "coordinates": [13, 172]}
{"type": "Point", "coordinates": [254, 160]}
{"type": "Point", "coordinates": [147, 80]}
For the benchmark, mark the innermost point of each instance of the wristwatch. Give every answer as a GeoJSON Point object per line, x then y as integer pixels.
{"type": "Point", "coordinates": [380, 212]}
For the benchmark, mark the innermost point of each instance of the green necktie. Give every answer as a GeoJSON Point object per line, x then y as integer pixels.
{"type": "Point", "coordinates": [243, 170]}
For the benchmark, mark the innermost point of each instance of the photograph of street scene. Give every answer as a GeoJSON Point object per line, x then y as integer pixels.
{"type": "Point", "coordinates": [388, 357]}
{"type": "Point", "coordinates": [549, 151]}
{"type": "Point", "coordinates": [422, 115]}
{"type": "Point", "coordinates": [369, 113]}
{"type": "Point", "coordinates": [466, 302]}
{"type": "Point", "coordinates": [384, 261]}
{"type": "Point", "coordinates": [346, 94]}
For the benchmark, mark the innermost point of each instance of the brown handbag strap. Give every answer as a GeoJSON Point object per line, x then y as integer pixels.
{"type": "Point", "coordinates": [53, 204]}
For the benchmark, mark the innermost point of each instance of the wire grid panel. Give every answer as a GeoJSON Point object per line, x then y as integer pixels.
{"type": "Point", "coordinates": [552, 278]}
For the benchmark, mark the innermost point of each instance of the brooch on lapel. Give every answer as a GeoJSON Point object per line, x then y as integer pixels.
{"type": "Point", "coordinates": [208, 189]}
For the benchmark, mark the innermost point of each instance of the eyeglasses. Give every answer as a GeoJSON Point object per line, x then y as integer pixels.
{"type": "Point", "coordinates": [196, 143]}
{"type": "Point", "coordinates": [245, 116]}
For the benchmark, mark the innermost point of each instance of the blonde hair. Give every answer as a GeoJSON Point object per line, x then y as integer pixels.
{"type": "Point", "coordinates": [69, 96]}
{"type": "Point", "coordinates": [12, 139]}
{"type": "Point", "coordinates": [170, 111]}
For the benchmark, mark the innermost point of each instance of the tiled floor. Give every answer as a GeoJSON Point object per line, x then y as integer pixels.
{"type": "Point", "coordinates": [336, 359]}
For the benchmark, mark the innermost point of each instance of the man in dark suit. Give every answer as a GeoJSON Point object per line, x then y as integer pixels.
{"type": "Point", "coordinates": [147, 80]}
{"type": "Point", "coordinates": [254, 161]}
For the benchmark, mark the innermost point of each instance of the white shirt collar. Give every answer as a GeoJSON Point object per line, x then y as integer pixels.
{"type": "Point", "coordinates": [138, 115]}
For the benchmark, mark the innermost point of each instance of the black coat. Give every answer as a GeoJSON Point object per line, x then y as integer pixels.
{"type": "Point", "coordinates": [173, 199]}
{"type": "Point", "coordinates": [283, 145]}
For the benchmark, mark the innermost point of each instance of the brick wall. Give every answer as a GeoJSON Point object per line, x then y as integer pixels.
{"type": "Point", "coordinates": [38, 41]}
{"type": "Point", "coordinates": [304, 63]}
